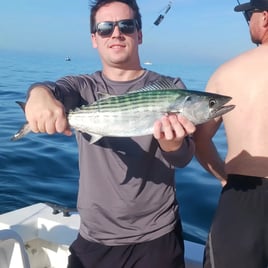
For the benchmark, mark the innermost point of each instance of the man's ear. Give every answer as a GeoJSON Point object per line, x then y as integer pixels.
{"type": "Point", "coordinates": [265, 18]}
{"type": "Point", "coordinates": [140, 37]}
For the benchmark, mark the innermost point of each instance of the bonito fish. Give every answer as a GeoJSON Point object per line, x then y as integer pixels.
{"type": "Point", "coordinates": [134, 113]}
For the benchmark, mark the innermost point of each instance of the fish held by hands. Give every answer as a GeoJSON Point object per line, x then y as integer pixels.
{"type": "Point", "coordinates": [134, 113]}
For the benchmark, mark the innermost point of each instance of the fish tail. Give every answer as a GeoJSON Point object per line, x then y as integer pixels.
{"type": "Point", "coordinates": [22, 132]}
{"type": "Point", "coordinates": [25, 129]}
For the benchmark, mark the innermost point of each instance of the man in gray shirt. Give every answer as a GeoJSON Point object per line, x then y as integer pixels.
{"type": "Point", "coordinates": [126, 200]}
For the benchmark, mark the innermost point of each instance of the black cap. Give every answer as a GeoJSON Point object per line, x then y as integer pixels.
{"type": "Point", "coordinates": [253, 4]}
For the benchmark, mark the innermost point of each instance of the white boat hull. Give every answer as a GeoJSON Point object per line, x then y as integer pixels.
{"type": "Point", "coordinates": [46, 238]}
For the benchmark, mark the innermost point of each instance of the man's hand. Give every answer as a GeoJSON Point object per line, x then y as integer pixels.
{"type": "Point", "coordinates": [171, 130]}
{"type": "Point", "coordinates": [45, 114]}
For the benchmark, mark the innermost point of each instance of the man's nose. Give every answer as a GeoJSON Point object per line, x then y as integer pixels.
{"type": "Point", "coordinates": [116, 31]}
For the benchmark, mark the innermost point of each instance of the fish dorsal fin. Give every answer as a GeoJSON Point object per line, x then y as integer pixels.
{"type": "Point", "coordinates": [104, 95]}
{"type": "Point", "coordinates": [162, 84]}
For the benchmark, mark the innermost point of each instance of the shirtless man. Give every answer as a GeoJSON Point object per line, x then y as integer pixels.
{"type": "Point", "coordinates": [239, 234]}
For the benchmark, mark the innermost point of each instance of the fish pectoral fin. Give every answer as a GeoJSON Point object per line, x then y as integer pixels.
{"type": "Point", "coordinates": [95, 138]}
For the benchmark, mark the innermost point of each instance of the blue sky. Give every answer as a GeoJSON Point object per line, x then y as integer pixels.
{"type": "Point", "coordinates": [193, 30]}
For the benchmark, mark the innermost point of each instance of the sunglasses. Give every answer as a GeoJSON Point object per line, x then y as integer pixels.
{"type": "Point", "coordinates": [106, 28]}
{"type": "Point", "coordinates": [248, 13]}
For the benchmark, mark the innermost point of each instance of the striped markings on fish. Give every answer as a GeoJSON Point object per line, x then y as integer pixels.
{"type": "Point", "coordinates": [134, 113]}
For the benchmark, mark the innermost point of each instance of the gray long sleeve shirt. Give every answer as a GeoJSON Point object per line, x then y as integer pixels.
{"type": "Point", "coordinates": [126, 186]}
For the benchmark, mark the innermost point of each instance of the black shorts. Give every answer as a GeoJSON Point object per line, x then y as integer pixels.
{"type": "Point", "coordinates": [239, 232]}
{"type": "Point", "coordinates": [164, 252]}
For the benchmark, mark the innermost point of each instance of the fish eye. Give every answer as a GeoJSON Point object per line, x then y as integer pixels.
{"type": "Point", "coordinates": [212, 102]}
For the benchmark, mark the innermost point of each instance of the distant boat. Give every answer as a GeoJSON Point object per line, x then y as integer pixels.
{"type": "Point", "coordinates": [67, 58]}
{"type": "Point", "coordinates": [148, 63]}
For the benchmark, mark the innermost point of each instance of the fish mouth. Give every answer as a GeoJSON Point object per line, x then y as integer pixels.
{"type": "Point", "coordinates": [223, 110]}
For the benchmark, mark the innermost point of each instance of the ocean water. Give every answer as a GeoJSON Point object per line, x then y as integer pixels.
{"type": "Point", "coordinates": [44, 168]}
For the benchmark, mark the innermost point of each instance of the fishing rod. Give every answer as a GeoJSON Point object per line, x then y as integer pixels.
{"type": "Point", "coordinates": [162, 15]}
{"type": "Point", "coordinates": [244, 13]}
{"type": "Point", "coordinates": [246, 17]}
{"type": "Point", "coordinates": [163, 12]}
